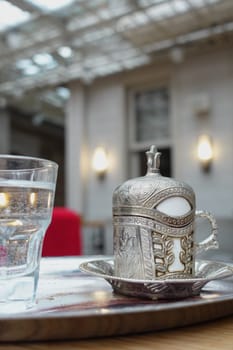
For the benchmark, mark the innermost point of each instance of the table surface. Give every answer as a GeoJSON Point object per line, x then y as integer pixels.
{"type": "Point", "coordinates": [213, 335]}
{"type": "Point", "coordinates": [76, 310]}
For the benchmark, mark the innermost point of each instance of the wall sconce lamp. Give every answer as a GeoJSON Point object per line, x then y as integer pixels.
{"type": "Point", "coordinates": [205, 152]}
{"type": "Point", "coordinates": [100, 162]}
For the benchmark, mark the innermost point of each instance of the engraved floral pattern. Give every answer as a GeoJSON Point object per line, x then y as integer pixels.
{"type": "Point", "coordinates": [163, 253]}
{"type": "Point", "coordinates": [145, 192]}
{"type": "Point", "coordinates": [139, 240]}
{"type": "Point", "coordinates": [128, 253]}
{"type": "Point", "coordinates": [186, 254]}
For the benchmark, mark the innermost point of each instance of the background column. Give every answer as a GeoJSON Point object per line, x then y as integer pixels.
{"type": "Point", "coordinates": [75, 149]}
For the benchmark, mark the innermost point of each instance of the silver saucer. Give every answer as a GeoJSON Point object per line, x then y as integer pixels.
{"type": "Point", "coordinates": [205, 271]}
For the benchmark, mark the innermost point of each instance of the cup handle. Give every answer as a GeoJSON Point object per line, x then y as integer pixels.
{"type": "Point", "coordinates": [211, 241]}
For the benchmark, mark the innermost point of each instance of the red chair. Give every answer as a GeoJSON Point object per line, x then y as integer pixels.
{"type": "Point", "coordinates": [63, 236]}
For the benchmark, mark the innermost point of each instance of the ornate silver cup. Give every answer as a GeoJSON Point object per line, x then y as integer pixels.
{"type": "Point", "coordinates": [153, 222]}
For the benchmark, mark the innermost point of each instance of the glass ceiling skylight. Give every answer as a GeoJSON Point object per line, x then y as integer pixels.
{"type": "Point", "coordinates": [51, 5]}
{"type": "Point", "coordinates": [101, 36]}
{"type": "Point", "coordinates": [11, 16]}
{"type": "Point", "coordinates": [31, 70]}
{"type": "Point", "coordinates": [43, 59]}
{"type": "Point", "coordinates": [63, 92]}
{"type": "Point", "coordinates": [39, 62]}
{"type": "Point", "coordinates": [65, 51]}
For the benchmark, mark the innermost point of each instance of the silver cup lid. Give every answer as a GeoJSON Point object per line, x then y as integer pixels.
{"type": "Point", "coordinates": [150, 190]}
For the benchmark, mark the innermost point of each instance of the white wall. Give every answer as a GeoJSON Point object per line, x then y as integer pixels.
{"type": "Point", "coordinates": [95, 117]}
{"type": "Point", "coordinates": [213, 77]}
{"type": "Point", "coordinates": [106, 127]}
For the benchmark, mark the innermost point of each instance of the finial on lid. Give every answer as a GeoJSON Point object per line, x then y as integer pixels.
{"type": "Point", "coordinates": [153, 160]}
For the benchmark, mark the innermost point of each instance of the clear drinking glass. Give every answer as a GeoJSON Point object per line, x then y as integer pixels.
{"type": "Point", "coordinates": [27, 187]}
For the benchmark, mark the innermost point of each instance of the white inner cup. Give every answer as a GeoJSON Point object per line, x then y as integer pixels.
{"type": "Point", "coordinates": [175, 206]}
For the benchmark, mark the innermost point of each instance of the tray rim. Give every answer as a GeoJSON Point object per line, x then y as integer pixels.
{"type": "Point", "coordinates": [31, 329]}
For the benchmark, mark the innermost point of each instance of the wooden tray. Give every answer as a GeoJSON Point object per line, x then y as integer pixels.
{"type": "Point", "coordinates": [74, 305]}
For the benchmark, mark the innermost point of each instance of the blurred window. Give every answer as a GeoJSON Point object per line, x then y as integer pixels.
{"type": "Point", "coordinates": [149, 123]}
{"type": "Point", "coordinates": [152, 114]}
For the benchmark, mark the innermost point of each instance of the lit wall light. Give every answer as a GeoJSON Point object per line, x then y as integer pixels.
{"type": "Point", "coordinates": [100, 162]}
{"type": "Point", "coordinates": [4, 200]}
{"type": "Point", "coordinates": [205, 152]}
